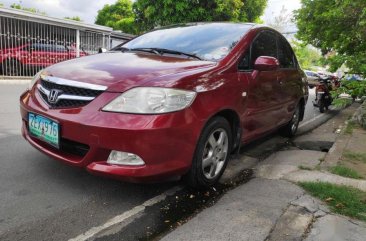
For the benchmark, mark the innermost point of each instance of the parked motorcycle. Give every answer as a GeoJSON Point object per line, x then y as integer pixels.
{"type": "Point", "coordinates": [323, 97]}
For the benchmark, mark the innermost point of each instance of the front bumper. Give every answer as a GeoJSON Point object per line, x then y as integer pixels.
{"type": "Point", "coordinates": [166, 142]}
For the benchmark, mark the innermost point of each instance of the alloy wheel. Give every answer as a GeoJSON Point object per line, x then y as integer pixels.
{"type": "Point", "coordinates": [215, 153]}
{"type": "Point", "coordinates": [295, 120]}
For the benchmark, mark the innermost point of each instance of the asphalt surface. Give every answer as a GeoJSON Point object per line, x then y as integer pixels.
{"type": "Point", "coordinates": [42, 199]}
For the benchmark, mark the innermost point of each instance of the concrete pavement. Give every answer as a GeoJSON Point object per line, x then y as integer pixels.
{"type": "Point", "coordinates": [271, 207]}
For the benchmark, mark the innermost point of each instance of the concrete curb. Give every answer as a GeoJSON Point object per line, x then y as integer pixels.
{"type": "Point", "coordinates": [24, 81]}
{"type": "Point", "coordinates": [310, 176]}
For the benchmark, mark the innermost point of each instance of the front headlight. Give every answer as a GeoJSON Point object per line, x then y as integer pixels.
{"type": "Point", "coordinates": [151, 100]}
{"type": "Point", "coordinates": [34, 80]}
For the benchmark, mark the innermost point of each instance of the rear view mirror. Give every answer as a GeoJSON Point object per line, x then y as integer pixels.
{"type": "Point", "coordinates": [266, 63]}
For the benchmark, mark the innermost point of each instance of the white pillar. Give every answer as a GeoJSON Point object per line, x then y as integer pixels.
{"type": "Point", "coordinates": [77, 43]}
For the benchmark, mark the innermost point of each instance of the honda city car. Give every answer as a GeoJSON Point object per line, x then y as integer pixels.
{"type": "Point", "coordinates": [171, 103]}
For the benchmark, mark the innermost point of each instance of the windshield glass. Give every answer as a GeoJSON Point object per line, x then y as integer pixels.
{"type": "Point", "coordinates": [207, 41]}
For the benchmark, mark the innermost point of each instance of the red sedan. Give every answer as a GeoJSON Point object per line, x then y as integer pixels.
{"type": "Point", "coordinates": [22, 59]}
{"type": "Point", "coordinates": [170, 103]}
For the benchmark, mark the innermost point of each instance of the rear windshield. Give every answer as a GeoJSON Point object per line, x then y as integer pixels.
{"type": "Point", "coordinates": [208, 41]}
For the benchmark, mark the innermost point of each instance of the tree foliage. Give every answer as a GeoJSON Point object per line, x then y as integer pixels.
{"type": "Point", "coordinates": [75, 18]}
{"type": "Point", "coordinates": [338, 28]}
{"type": "Point", "coordinates": [118, 16]}
{"type": "Point", "coordinates": [356, 89]}
{"type": "Point", "coordinates": [150, 14]}
{"type": "Point", "coordinates": [281, 21]}
{"type": "Point", "coordinates": [144, 15]}
{"type": "Point", "coordinates": [308, 56]}
{"type": "Point", "coordinates": [32, 10]}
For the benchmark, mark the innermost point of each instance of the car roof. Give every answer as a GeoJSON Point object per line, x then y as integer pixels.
{"type": "Point", "coordinates": [203, 23]}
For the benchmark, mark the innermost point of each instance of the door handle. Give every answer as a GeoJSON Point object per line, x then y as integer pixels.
{"type": "Point", "coordinates": [280, 82]}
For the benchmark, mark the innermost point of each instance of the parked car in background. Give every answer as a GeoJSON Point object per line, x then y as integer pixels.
{"type": "Point", "coordinates": [172, 102]}
{"type": "Point", "coordinates": [354, 76]}
{"type": "Point", "coordinates": [29, 57]}
{"type": "Point", "coordinates": [312, 77]}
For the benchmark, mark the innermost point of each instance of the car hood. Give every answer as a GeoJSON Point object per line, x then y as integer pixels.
{"type": "Point", "coordinates": [121, 71]}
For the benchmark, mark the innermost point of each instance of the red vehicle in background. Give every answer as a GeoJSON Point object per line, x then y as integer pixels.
{"type": "Point", "coordinates": [28, 58]}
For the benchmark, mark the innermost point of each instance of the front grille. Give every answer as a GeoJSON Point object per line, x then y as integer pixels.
{"type": "Point", "coordinates": [70, 90]}
{"type": "Point", "coordinates": [70, 94]}
{"type": "Point", "coordinates": [64, 103]}
{"type": "Point", "coordinates": [73, 147]}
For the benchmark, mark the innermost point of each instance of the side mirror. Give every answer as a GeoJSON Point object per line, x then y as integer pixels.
{"type": "Point", "coordinates": [266, 63]}
{"type": "Point", "coordinates": [102, 50]}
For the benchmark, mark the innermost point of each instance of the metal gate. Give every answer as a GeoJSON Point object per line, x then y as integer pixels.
{"type": "Point", "coordinates": [30, 43]}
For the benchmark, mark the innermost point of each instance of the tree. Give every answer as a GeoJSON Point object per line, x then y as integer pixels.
{"type": "Point", "coordinates": [75, 18]}
{"type": "Point", "coordinates": [32, 10]}
{"type": "Point", "coordinates": [281, 21]}
{"type": "Point", "coordinates": [118, 16]}
{"type": "Point", "coordinates": [308, 56]}
{"type": "Point", "coordinates": [150, 14]}
{"type": "Point", "coordinates": [337, 28]}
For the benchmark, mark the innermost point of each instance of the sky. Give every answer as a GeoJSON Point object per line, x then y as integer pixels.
{"type": "Point", "coordinates": [87, 9]}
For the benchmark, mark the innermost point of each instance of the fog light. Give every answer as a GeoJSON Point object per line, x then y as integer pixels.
{"type": "Point", "coordinates": [124, 158]}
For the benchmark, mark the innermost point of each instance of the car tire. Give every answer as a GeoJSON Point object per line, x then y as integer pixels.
{"type": "Point", "coordinates": [289, 130]}
{"type": "Point", "coordinates": [321, 106]}
{"type": "Point", "coordinates": [211, 154]}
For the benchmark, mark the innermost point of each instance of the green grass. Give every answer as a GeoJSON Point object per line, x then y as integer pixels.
{"type": "Point", "coordinates": [341, 199]}
{"type": "Point", "coordinates": [345, 172]}
{"type": "Point", "coordinates": [302, 167]}
{"type": "Point", "coordinates": [341, 102]}
{"type": "Point", "coordinates": [349, 127]}
{"type": "Point", "coordinates": [354, 156]}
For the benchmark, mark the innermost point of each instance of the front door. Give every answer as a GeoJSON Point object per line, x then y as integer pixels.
{"type": "Point", "coordinates": [263, 108]}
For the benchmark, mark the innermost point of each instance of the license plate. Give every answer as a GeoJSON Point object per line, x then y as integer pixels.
{"type": "Point", "coordinates": [44, 129]}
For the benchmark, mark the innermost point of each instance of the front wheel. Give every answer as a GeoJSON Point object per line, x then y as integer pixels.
{"type": "Point", "coordinates": [290, 129]}
{"type": "Point", "coordinates": [211, 155]}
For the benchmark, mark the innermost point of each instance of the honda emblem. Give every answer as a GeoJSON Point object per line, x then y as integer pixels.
{"type": "Point", "coordinates": [53, 96]}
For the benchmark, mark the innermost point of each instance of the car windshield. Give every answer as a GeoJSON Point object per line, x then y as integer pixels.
{"type": "Point", "coordinates": [207, 41]}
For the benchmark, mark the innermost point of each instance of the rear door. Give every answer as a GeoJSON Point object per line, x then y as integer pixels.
{"type": "Point", "coordinates": [263, 109]}
{"type": "Point", "coordinates": [289, 78]}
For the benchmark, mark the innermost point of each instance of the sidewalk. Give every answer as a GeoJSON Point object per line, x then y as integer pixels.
{"type": "Point", "coordinates": [272, 207]}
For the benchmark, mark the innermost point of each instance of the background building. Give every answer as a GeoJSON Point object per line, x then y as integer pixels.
{"type": "Point", "coordinates": [30, 42]}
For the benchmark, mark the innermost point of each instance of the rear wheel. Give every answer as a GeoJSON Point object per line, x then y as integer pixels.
{"type": "Point", "coordinates": [290, 129]}
{"type": "Point", "coordinates": [321, 106]}
{"type": "Point", "coordinates": [211, 155]}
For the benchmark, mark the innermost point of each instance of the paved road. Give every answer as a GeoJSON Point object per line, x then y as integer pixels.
{"type": "Point", "coordinates": [42, 198]}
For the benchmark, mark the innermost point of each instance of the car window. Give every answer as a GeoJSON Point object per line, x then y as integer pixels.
{"type": "Point", "coordinates": [264, 45]}
{"type": "Point", "coordinates": [58, 48]}
{"type": "Point", "coordinates": [244, 63]}
{"type": "Point", "coordinates": [208, 41]}
{"type": "Point", "coordinates": [37, 47]}
{"type": "Point", "coordinates": [285, 54]}
{"type": "Point", "coordinates": [49, 47]}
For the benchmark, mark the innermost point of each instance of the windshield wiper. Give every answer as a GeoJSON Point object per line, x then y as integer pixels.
{"type": "Point", "coordinates": [123, 49]}
{"type": "Point", "coordinates": [160, 51]}
{"type": "Point", "coordinates": [149, 50]}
